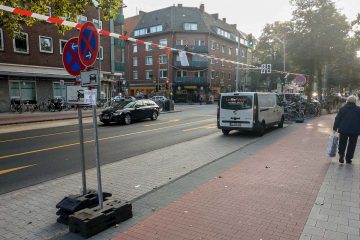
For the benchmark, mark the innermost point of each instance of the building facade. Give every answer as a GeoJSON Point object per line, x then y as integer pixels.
{"type": "Point", "coordinates": [31, 65]}
{"type": "Point", "coordinates": [184, 28]}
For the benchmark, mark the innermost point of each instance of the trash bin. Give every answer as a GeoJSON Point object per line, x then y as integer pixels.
{"type": "Point", "coordinates": [168, 105]}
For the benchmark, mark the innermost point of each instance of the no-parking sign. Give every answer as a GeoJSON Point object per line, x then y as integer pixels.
{"type": "Point", "coordinates": [88, 44]}
{"type": "Point", "coordinates": [70, 58]}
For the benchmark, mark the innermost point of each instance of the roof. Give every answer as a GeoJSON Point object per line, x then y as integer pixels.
{"type": "Point", "coordinates": [173, 19]}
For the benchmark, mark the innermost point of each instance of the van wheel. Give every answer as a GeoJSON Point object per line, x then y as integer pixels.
{"type": "Point", "coordinates": [225, 132]}
{"type": "Point", "coordinates": [261, 130]}
{"type": "Point", "coordinates": [281, 123]}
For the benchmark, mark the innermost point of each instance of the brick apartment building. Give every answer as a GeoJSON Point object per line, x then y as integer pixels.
{"type": "Point", "coordinates": [183, 27]}
{"type": "Point", "coordinates": [31, 66]}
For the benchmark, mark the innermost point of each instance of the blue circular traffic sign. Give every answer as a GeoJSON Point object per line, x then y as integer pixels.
{"type": "Point", "coordinates": [70, 57]}
{"type": "Point", "coordinates": [88, 44]}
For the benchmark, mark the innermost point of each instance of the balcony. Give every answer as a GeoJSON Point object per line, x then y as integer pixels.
{"type": "Point", "coordinates": [194, 65]}
{"type": "Point", "coordinates": [119, 67]}
{"type": "Point", "coordinates": [190, 80]}
{"type": "Point", "coordinates": [194, 48]}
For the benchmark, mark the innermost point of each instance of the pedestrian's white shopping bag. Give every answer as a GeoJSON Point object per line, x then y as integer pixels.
{"type": "Point", "coordinates": [332, 145]}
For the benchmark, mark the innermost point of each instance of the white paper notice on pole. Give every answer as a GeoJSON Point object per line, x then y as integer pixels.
{"type": "Point", "coordinates": [90, 97]}
{"type": "Point", "coordinates": [183, 59]}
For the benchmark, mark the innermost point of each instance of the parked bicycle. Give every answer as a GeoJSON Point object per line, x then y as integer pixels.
{"type": "Point", "coordinates": [16, 105]}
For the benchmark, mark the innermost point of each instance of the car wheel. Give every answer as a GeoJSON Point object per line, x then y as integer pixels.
{"type": "Point", "coordinates": [225, 132]}
{"type": "Point", "coordinates": [127, 119]}
{"type": "Point", "coordinates": [154, 115]}
{"type": "Point", "coordinates": [281, 123]}
{"type": "Point", "coordinates": [261, 130]}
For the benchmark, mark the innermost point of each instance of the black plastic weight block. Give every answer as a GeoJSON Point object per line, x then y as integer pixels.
{"type": "Point", "coordinates": [89, 222]}
{"type": "Point", "coordinates": [73, 203]}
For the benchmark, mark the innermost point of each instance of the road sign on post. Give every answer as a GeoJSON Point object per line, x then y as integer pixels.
{"type": "Point", "coordinates": [88, 44]}
{"type": "Point", "coordinates": [89, 78]}
{"type": "Point", "coordinates": [70, 58]}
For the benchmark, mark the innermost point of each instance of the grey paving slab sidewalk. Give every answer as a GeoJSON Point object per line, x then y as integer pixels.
{"type": "Point", "coordinates": [29, 213]}
{"type": "Point", "coordinates": [336, 211]}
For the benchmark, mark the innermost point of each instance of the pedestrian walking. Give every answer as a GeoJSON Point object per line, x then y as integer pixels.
{"type": "Point", "coordinates": [347, 123]}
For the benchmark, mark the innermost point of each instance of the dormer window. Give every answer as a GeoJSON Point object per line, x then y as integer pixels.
{"type": "Point", "coordinates": [190, 26]}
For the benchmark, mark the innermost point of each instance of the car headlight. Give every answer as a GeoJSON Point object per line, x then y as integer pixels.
{"type": "Point", "coordinates": [118, 112]}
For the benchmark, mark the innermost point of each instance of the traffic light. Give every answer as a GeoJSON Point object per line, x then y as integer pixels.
{"type": "Point", "coordinates": [157, 87]}
{"type": "Point", "coordinates": [282, 82]}
{"type": "Point", "coordinates": [250, 41]}
{"type": "Point", "coordinates": [167, 84]}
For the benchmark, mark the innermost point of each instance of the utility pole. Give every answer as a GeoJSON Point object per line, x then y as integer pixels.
{"type": "Point", "coordinates": [237, 66]}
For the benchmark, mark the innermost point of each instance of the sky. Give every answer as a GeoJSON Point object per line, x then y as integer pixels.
{"type": "Point", "coordinates": [249, 15]}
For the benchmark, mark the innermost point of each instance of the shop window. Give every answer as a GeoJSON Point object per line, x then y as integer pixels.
{"type": "Point", "coordinates": [24, 90]}
{"type": "Point", "coordinates": [59, 91]}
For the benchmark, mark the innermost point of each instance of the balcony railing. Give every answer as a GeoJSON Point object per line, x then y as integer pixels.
{"type": "Point", "coordinates": [194, 48]}
{"type": "Point", "coordinates": [190, 80]}
{"type": "Point", "coordinates": [193, 65]}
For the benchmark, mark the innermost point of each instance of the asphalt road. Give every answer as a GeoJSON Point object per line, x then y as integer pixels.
{"type": "Point", "coordinates": [33, 156]}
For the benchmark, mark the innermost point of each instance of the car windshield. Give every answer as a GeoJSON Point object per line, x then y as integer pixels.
{"type": "Point", "coordinates": [130, 105]}
{"type": "Point", "coordinates": [236, 102]}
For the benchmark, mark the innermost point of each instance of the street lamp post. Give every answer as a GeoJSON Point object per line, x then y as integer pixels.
{"type": "Point", "coordinates": [284, 51]}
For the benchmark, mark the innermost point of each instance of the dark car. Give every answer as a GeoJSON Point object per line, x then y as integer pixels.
{"type": "Point", "coordinates": [127, 112]}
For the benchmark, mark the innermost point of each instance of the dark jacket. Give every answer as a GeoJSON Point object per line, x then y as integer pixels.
{"type": "Point", "coordinates": [347, 121]}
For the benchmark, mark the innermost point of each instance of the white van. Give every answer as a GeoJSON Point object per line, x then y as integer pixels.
{"type": "Point", "coordinates": [252, 111]}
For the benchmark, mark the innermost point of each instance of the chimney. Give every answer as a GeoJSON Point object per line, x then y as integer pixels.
{"type": "Point", "coordinates": [141, 12]}
{"type": "Point", "coordinates": [215, 15]}
{"type": "Point", "coordinates": [202, 7]}
{"type": "Point", "coordinates": [179, 5]}
{"type": "Point", "coordinates": [224, 20]}
{"type": "Point", "coordinates": [234, 25]}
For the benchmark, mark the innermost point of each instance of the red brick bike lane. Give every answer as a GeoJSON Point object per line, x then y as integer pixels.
{"type": "Point", "coordinates": [268, 195]}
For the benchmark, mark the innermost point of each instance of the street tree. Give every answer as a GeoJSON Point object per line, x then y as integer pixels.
{"type": "Point", "coordinates": [68, 9]}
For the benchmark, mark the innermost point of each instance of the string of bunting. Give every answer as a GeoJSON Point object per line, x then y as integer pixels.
{"type": "Point", "coordinates": [122, 37]}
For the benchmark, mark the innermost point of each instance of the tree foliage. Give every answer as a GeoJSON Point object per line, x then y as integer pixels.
{"type": "Point", "coordinates": [318, 35]}
{"type": "Point", "coordinates": [59, 8]}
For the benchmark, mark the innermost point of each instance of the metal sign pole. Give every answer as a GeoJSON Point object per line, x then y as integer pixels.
{"type": "Point", "coordinates": [97, 152]}
{"type": "Point", "coordinates": [81, 135]}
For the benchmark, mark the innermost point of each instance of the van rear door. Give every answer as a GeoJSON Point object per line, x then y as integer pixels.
{"type": "Point", "coordinates": [236, 110]}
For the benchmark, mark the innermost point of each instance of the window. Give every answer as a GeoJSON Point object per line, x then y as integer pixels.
{"type": "Point", "coordinates": [223, 48]}
{"type": "Point", "coordinates": [181, 42]}
{"type": "Point", "coordinates": [26, 90]}
{"type": "Point", "coordinates": [163, 42]}
{"type": "Point", "coordinates": [96, 22]}
{"type": "Point", "coordinates": [237, 51]}
{"type": "Point", "coordinates": [229, 75]}
{"type": "Point", "coordinates": [134, 48]}
{"type": "Point", "coordinates": [181, 73]}
{"type": "Point", "coordinates": [135, 75]}
{"type": "Point", "coordinates": [242, 53]}
{"type": "Point", "coordinates": [148, 60]}
{"type": "Point", "coordinates": [190, 26]}
{"type": "Point", "coordinates": [81, 19]}
{"type": "Point", "coordinates": [148, 47]}
{"type": "Point", "coordinates": [135, 61]}
{"type": "Point", "coordinates": [59, 90]}
{"type": "Point", "coordinates": [199, 43]}
{"type": "Point", "coordinates": [62, 45]}
{"type": "Point", "coordinates": [236, 102]}
{"type": "Point", "coordinates": [213, 45]}
{"type": "Point", "coordinates": [45, 44]}
{"type": "Point", "coordinates": [230, 51]}
{"type": "Point", "coordinates": [199, 74]}
{"type": "Point", "coordinates": [212, 74]}
{"type": "Point", "coordinates": [163, 59]}
{"type": "Point", "coordinates": [21, 42]}
{"type": "Point", "coordinates": [212, 60]}
{"type": "Point", "coordinates": [163, 73]}
{"type": "Point", "coordinates": [148, 74]}
{"type": "Point", "coordinates": [143, 31]}
{"type": "Point", "coordinates": [223, 63]}
{"type": "Point", "coordinates": [1, 39]}
{"type": "Point", "coordinates": [100, 53]}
